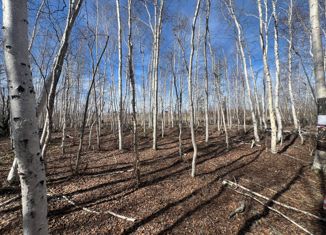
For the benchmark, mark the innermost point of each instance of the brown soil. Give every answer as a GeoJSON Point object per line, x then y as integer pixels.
{"type": "Point", "coordinates": [169, 201]}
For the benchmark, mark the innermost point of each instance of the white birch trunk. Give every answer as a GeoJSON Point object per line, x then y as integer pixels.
{"type": "Point", "coordinates": [244, 62]}
{"type": "Point", "coordinates": [264, 46]}
{"type": "Point", "coordinates": [157, 37]}
{"type": "Point", "coordinates": [317, 49]}
{"type": "Point", "coordinates": [23, 114]}
{"type": "Point", "coordinates": [208, 5]}
{"type": "Point", "coordinates": [190, 98]}
{"type": "Point", "coordinates": [294, 112]}
{"type": "Point", "coordinates": [277, 75]}
{"type": "Point", "coordinates": [120, 76]}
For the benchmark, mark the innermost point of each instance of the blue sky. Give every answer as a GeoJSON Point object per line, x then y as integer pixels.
{"type": "Point", "coordinates": [222, 30]}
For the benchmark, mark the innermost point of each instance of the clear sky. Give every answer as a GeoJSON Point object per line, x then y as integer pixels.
{"type": "Point", "coordinates": [222, 30]}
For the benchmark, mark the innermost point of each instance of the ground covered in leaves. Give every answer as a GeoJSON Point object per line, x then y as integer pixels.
{"type": "Point", "coordinates": [169, 201]}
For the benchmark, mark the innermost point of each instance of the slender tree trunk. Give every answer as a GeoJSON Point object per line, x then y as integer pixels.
{"type": "Point", "coordinates": [51, 82]}
{"type": "Point", "coordinates": [24, 121]}
{"type": "Point", "coordinates": [179, 102]}
{"type": "Point", "coordinates": [264, 48]}
{"type": "Point", "coordinates": [208, 5]}
{"type": "Point", "coordinates": [157, 38]}
{"type": "Point", "coordinates": [50, 86]}
{"type": "Point", "coordinates": [244, 108]}
{"type": "Point", "coordinates": [223, 108]}
{"type": "Point", "coordinates": [82, 128]}
{"type": "Point", "coordinates": [227, 98]}
{"type": "Point", "coordinates": [98, 144]}
{"type": "Point", "coordinates": [294, 112]}
{"type": "Point", "coordinates": [133, 93]}
{"type": "Point", "coordinates": [144, 87]}
{"type": "Point", "coordinates": [244, 62]}
{"type": "Point", "coordinates": [65, 108]}
{"type": "Point", "coordinates": [260, 115]}
{"type": "Point", "coordinates": [190, 97]}
{"type": "Point", "coordinates": [277, 75]}
{"type": "Point", "coordinates": [263, 104]}
{"type": "Point", "coordinates": [196, 88]}
{"type": "Point", "coordinates": [120, 76]}
{"type": "Point", "coordinates": [237, 89]}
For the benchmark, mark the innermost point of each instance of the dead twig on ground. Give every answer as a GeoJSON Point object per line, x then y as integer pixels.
{"type": "Point", "coordinates": [278, 212]}
{"type": "Point", "coordinates": [230, 183]}
{"type": "Point", "coordinates": [287, 155]}
{"type": "Point", "coordinates": [9, 201]}
{"type": "Point", "coordinates": [96, 212]}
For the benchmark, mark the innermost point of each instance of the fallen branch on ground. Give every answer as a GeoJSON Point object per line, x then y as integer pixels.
{"type": "Point", "coordinates": [287, 155]}
{"type": "Point", "coordinates": [228, 182]}
{"type": "Point", "coordinates": [274, 191]}
{"type": "Point", "coordinates": [9, 201]}
{"type": "Point", "coordinates": [253, 144]}
{"type": "Point", "coordinates": [119, 172]}
{"type": "Point", "coordinates": [96, 212]}
{"type": "Point", "coordinates": [272, 209]}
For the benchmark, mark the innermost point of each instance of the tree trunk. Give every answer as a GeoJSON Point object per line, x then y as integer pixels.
{"type": "Point", "coordinates": [82, 128]}
{"type": "Point", "coordinates": [208, 5]}
{"type": "Point", "coordinates": [244, 62]}
{"type": "Point", "coordinates": [294, 112]}
{"type": "Point", "coordinates": [317, 48]}
{"type": "Point", "coordinates": [190, 98]}
{"type": "Point", "coordinates": [133, 93]}
{"type": "Point", "coordinates": [120, 77]}
{"type": "Point", "coordinates": [24, 122]}
{"type": "Point", "coordinates": [277, 76]}
{"type": "Point", "coordinates": [264, 48]}
{"type": "Point", "coordinates": [179, 103]}
{"type": "Point", "coordinates": [156, 55]}
{"type": "Point", "coordinates": [65, 109]}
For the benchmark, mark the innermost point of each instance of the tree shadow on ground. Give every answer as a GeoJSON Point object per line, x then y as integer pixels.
{"type": "Point", "coordinates": [291, 139]}
{"type": "Point", "coordinates": [192, 211]}
{"type": "Point", "coordinates": [165, 174]}
{"type": "Point", "coordinates": [187, 214]}
{"type": "Point", "coordinates": [252, 220]}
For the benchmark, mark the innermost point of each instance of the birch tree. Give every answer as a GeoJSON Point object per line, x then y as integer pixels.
{"type": "Point", "coordinates": [294, 112]}
{"type": "Point", "coordinates": [264, 47]}
{"type": "Point", "coordinates": [156, 55]}
{"type": "Point", "coordinates": [277, 74]}
{"type": "Point", "coordinates": [50, 86]}
{"type": "Point", "coordinates": [190, 98]}
{"type": "Point", "coordinates": [208, 5]}
{"type": "Point", "coordinates": [133, 93]}
{"type": "Point", "coordinates": [24, 121]}
{"type": "Point", "coordinates": [120, 76]}
{"type": "Point", "coordinates": [178, 94]}
{"type": "Point", "coordinates": [244, 62]}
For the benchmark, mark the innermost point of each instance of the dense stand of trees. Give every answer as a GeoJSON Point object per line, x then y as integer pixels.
{"type": "Point", "coordinates": [124, 65]}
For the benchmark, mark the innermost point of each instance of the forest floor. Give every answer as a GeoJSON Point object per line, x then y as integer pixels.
{"type": "Point", "coordinates": [169, 201]}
